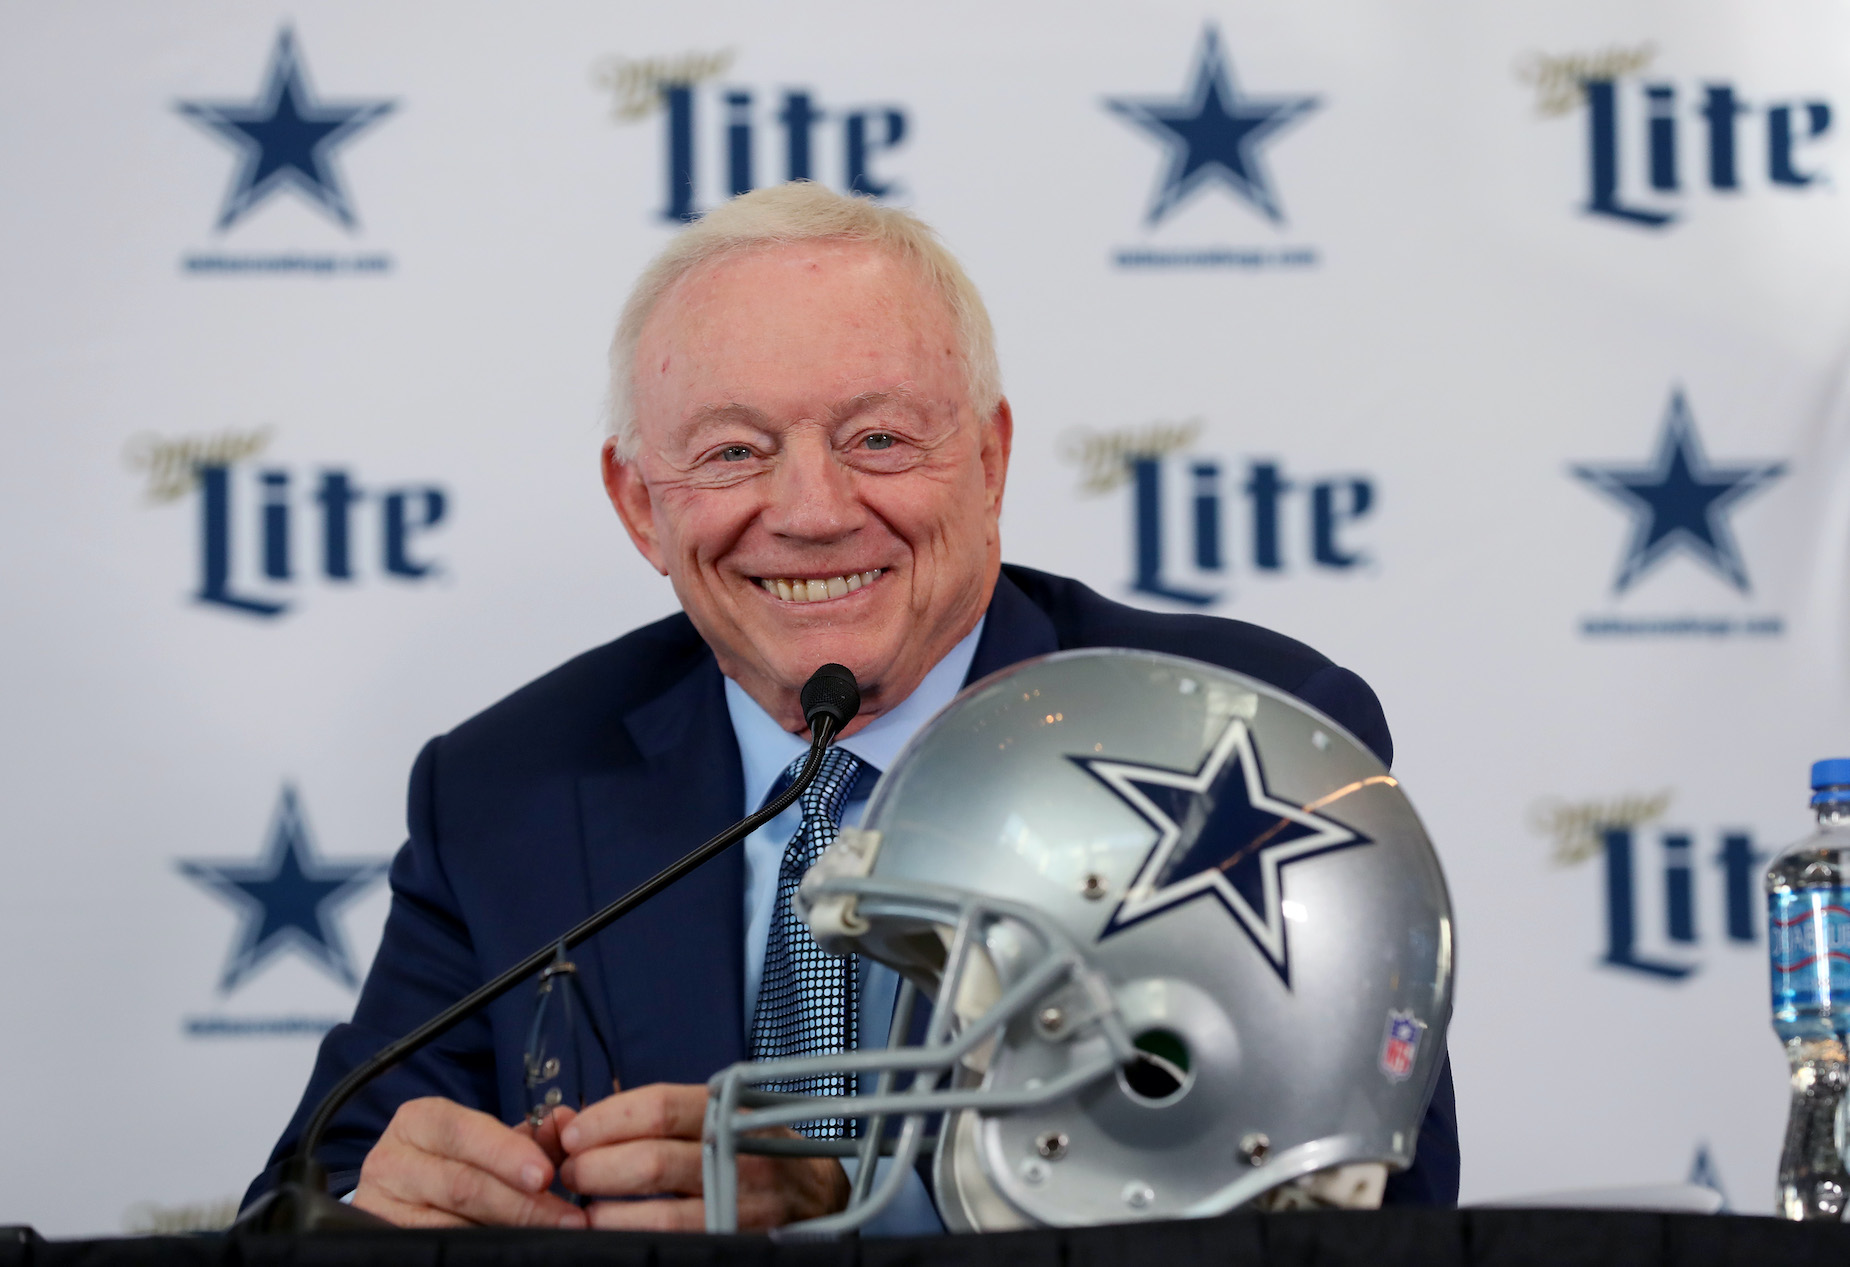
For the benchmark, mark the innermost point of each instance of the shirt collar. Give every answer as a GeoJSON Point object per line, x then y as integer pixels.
{"type": "Point", "coordinates": [766, 749]}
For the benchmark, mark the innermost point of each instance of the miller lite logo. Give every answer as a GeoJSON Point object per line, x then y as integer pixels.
{"type": "Point", "coordinates": [1400, 1045]}
{"type": "Point", "coordinates": [856, 141]}
{"type": "Point", "coordinates": [259, 527]}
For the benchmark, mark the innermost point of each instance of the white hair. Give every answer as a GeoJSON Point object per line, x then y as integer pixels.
{"type": "Point", "coordinates": [802, 212]}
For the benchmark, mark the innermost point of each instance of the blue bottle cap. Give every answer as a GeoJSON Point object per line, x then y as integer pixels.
{"type": "Point", "coordinates": [1834, 772]}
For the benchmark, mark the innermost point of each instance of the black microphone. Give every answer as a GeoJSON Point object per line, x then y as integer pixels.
{"type": "Point", "coordinates": [831, 691]}
{"type": "Point", "coordinates": [300, 1200]}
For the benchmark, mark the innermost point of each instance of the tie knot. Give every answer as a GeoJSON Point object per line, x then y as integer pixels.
{"type": "Point", "coordinates": [824, 798]}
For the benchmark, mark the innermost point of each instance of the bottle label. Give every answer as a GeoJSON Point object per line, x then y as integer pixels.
{"type": "Point", "coordinates": [1808, 940]}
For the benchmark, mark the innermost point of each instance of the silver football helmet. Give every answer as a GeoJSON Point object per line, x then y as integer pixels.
{"type": "Point", "coordinates": [1187, 944]}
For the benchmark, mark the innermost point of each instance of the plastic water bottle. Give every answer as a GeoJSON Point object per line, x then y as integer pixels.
{"type": "Point", "coordinates": [1808, 941]}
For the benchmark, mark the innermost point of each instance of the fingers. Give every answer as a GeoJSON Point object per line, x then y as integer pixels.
{"type": "Point", "coordinates": [757, 1211]}
{"type": "Point", "coordinates": [439, 1192]}
{"type": "Point", "coordinates": [670, 1214]}
{"type": "Point", "coordinates": [661, 1111]}
{"type": "Point", "coordinates": [440, 1164]}
{"type": "Point", "coordinates": [646, 1143]}
{"type": "Point", "coordinates": [445, 1129]}
{"type": "Point", "coordinates": [635, 1168]}
{"type": "Point", "coordinates": [772, 1191]}
{"type": "Point", "coordinates": [402, 1214]}
{"type": "Point", "coordinates": [547, 1136]}
{"type": "Point", "coordinates": [679, 1214]}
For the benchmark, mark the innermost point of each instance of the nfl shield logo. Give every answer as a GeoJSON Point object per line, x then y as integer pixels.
{"type": "Point", "coordinates": [1400, 1045]}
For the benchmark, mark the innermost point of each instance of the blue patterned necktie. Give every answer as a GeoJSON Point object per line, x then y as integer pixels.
{"type": "Point", "coordinates": [806, 995]}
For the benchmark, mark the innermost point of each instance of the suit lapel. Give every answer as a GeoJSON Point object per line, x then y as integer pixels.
{"type": "Point", "coordinates": [673, 968]}
{"type": "Point", "coordinates": [1014, 630]}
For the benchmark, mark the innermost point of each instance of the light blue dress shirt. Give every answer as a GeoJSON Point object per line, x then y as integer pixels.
{"type": "Point", "coordinates": [766, 749]}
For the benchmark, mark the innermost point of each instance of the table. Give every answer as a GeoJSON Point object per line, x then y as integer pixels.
{"type": "Point", "coordinates": [1383, 1238]}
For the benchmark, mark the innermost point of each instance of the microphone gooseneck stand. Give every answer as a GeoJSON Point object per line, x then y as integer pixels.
{"type": "Point", "coordinates": [300, 1200]}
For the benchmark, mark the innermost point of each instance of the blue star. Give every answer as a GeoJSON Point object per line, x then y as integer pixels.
{"type": "Point", "coordinates": [288, 898]}
{"type": "Point", "coordinates": [1214, 134]}
{"type": "Point", "coordinates": [286, 138]}
{"type": "Point", "coordinates": [1680, 501]}
{"type": "Point", "coordinates": [1219, 832]}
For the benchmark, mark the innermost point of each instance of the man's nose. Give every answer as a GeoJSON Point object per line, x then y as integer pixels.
{"type": "Point", "coordinates": [812, 491]}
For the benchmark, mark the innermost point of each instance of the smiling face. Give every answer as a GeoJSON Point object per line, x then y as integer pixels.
{"type": "Point", "coordinates": [810, 474]}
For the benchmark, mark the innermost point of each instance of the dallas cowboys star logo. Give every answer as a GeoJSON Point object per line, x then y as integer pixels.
{"type": "Point", "coordinates": [288, 898]}
{"type": "Point", "coordinates": [286, 138]}
{"type": "Point", "coordinates": [1680, 502]}
{"type": "Point", "coordinates": [1219, 833]}
{"type": "Point", "coordinates": [1214, 134]}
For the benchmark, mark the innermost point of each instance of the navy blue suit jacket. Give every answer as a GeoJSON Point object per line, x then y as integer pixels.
{"type": "Point", "coordinates": [555, 801]}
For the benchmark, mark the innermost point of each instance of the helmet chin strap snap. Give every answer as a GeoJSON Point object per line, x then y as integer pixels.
{"type": "Point", "coordinates": [1353, 1187]}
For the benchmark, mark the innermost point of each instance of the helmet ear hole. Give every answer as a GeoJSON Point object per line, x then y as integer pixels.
{"type": "Point", "coordinates": [1159, 1074]}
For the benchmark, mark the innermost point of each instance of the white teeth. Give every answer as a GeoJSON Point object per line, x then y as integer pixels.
{"type": "Point", "coordinates": [805, 591]}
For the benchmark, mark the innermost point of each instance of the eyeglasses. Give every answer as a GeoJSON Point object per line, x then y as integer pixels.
{"type": "Point", "coordinates": [551, 1075]}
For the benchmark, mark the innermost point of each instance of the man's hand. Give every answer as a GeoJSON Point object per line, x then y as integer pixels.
{"type": "Point", "coordinates": [442, 1165]}
{"type": "Point", "coordinates": [646, 1143]}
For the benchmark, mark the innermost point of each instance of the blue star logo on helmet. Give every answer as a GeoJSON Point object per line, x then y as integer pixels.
{"type": "Point", "coordinates": [1219, 833]}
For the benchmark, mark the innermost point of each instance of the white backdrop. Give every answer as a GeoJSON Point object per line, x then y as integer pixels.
{"type": "Point", "coordinates": [1419, 287]}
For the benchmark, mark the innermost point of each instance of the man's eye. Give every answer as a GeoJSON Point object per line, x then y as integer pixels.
{"type": "Point", "coordinates": [879, 440]}
{"type": "Point", "coordinates": [734, 453]}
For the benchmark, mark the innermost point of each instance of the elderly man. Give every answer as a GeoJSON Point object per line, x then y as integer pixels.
{"type": "Point", "coordinates": [810, 441]}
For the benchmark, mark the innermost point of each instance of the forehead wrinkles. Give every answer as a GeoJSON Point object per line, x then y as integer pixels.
{"type": "Point", "coordinates": [900, 394]}
{"type": "Point", "coordinates": [703, 308]}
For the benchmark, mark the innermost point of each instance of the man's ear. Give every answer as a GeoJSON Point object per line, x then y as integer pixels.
{"type": "Point", "coordinates": [624, 484]}
{"type": "Point", "coordinates": [998, 439]}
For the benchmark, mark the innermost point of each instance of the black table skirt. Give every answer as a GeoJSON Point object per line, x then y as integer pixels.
{"type": "Point", "coordinates": [1429, 1238]}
